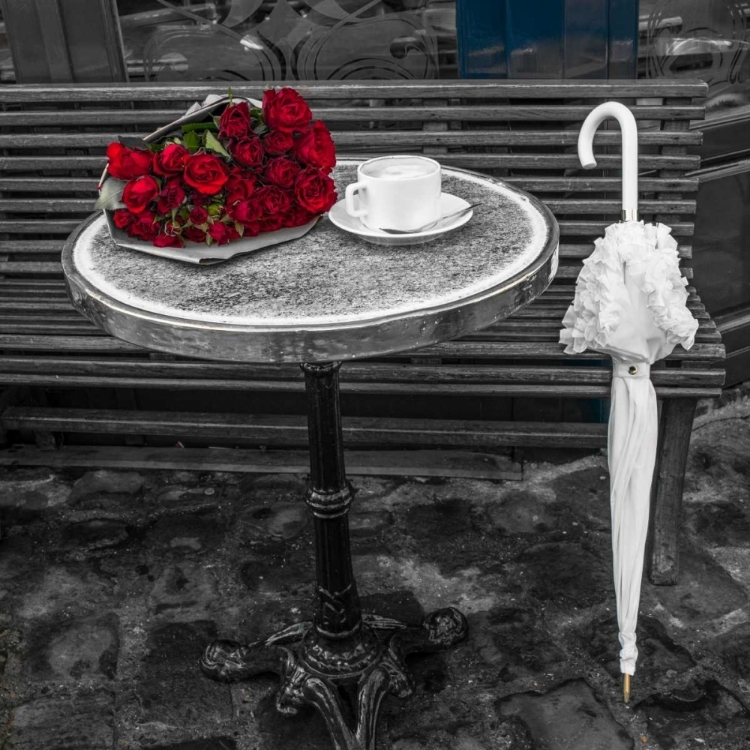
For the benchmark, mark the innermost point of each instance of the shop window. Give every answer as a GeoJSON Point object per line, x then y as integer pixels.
{"type": "Point", "coordinates": [288, 39]}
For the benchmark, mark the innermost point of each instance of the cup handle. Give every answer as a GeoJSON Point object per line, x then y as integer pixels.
{"type": "Point", "coordinates": [349, 196]}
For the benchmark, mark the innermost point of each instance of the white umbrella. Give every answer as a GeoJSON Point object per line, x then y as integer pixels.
{"type": "Point", "coordinates": [630, 303]}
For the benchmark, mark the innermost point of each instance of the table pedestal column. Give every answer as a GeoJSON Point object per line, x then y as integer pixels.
{"type": "Point", "coordinates": [343, 662]}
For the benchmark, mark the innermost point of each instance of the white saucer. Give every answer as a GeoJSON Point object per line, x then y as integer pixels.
{"type": "Point", "coordinates": [448, 204]}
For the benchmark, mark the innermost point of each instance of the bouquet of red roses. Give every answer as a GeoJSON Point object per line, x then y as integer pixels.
{"type": "Point", "coordinates": [239, 172]}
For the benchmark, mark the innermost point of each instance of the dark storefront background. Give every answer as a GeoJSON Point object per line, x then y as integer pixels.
{"type": "Point", "coordinates": [225, 40]}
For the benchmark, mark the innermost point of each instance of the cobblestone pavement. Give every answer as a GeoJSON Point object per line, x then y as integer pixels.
{"type": "Point", "coordinates": [111, 583]}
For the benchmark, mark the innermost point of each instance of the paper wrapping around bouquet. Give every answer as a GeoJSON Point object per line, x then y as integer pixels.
{"type": "Point", "coordinates": [206, 255]}
{"type": "Point", "coordinates": [198, 252]}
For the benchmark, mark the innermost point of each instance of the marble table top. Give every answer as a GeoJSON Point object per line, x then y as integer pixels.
{"type": "Point", "coordinates": [329, 295]}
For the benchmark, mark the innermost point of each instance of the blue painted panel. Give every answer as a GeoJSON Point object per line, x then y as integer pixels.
{"type": "Point", "coordinates": [547, 38]}
{"type": "Point", "coordinates": [586, 38]}
{"type": "Point", "coordinates": [534, 32]}
{"type": "Point", "coordinates": [623, 39]}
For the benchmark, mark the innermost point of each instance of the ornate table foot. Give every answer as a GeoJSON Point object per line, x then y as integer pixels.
{"type": "Point", "coordinates": [314, 669]}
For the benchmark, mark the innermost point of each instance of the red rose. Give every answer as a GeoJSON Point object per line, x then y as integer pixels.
{"type": "Point", "coordinates": [171, 160]}
{"type": "Point", "coordinates": [286, 110]}
{"type": "Point", "coordinates": [282, 172]}
{"type": "Point", "coordinates": [123, 218]}
{"type": "Point", "coordinates": [272, 200]}
{"type": "Point", "coordinates": [138, 193]}
{"type": "Point", "coordinates": [126, 163]}
{"type": "Point", "coordinates": [297, 216]}
{"type": "Point", "coordinates": [240, 185]}
{"type": "Point", "coordinates": [198, 215]}
{"type": "Point", "coordinates": [171, 196]}
{"type": "Point", "coordinates": [271, 223]}
{"type": "Point", "coordinates": [248, 151]}
{"type": "Point", "coordinates": [314, 191]}
{"type": "Point", "coordinates": [206, 173]}
{"type": "Point", "coordinates": [278, 142]}
{"type": "Point", "coordinates": [235, 121]}
{"type": "Point", "coordinates": [198, 199]}
{"type": "Point", "coordinates": [194, 234]}
{"type": "Point", "coordinates": [223, 233]}
{"type": "Point", "coordinates": [315, 148]}
{"type": "Point", "coordinates": [146, 226]}
{"type": "Point", "coordinates": [168, 240]}
{"type": "Point", "coordinates": [245, 211]}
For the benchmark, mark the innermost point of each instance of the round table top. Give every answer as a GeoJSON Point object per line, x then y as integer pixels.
{"type": "Point", "coordinates": [329, 295]}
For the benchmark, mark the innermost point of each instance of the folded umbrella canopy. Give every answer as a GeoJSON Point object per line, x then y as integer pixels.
{"type": "Point", "coordinates": [630, 303]}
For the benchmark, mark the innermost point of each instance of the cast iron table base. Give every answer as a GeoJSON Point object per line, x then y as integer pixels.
{"type": "Point", "coordinates": [341, 652]}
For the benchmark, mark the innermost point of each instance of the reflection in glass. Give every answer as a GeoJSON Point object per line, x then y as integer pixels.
{"type": "Point", "coordinates": [288, 39]}
{"type": "Point", "coordinates": [706, 39]}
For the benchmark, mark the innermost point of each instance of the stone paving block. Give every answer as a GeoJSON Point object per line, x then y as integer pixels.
{"type": "Point", "coordinates": [171, 687]}
{"type": "Point", "coordinates": [186, 588]}
{"type": "Point", "coordinates": [734, 648]}
{"type": "Point", "coordinates": [191, 531]}
{"type": "Point", "coordinates": [76, 588]}
{"type": "Point", "coordinates": [208, 743]}
{"type": "Point", "coordinates": [567, 574]}
{"type": "Point", "coordinates": [515, 641]}
{"type": "Point", "coordinates": [708, 717]}
{"type": "Point", "coordinates": [283, 521]}
{"type": "Point", "coordinates": [105, 481]}
{"type": "Point", "coordinates": [82, 722]}
{"type": "Point", "coordinates": [522, 512]}
{"type": "Point", "coordinates": [704, 590]}
{"type": "Point", "coordinates": [568, 718]}
{"type": "Point", "coordinates": [658, 655]}
{"type": "Point", "coordinates": [72, 649]}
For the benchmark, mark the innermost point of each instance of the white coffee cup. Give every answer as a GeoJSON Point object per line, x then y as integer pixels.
{"type": "Point", "coordinates": [396, 192]}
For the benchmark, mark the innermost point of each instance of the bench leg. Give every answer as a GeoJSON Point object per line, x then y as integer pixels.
{"type": "Point", "coordinates": [675, 428]}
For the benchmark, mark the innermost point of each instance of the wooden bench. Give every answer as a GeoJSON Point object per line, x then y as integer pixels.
{"type": "Point", "coordinates": [511, 385]}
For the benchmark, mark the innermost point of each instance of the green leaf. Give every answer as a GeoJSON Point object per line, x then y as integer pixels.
{"type": "Point", "coordinates": [110, 194]}
{"type": "Point", "coordinates": [239, 227]}
{"type": "Point", "coordinates": [229, 95]}
{"type": "Point", "coordinates": [212, 144]}
{"type": "Point", "coordinates": [192, 142]}
{"type": "Point", "coordinates": [189, 127]}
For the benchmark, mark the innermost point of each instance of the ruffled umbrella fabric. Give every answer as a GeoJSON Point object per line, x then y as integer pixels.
{"type": "Point", "coordinates": [630, 303]}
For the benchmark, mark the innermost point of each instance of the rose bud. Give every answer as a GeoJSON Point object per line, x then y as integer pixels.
{"type": "Point", "coordinates": [122, 218]}
{"type": "Point", "coordinates": [194, 234]}
{"type": "Point", "coordinates": [314, 191]}
{"type": "Point", "coordinates": [315, 148]}
{"type": "Point", "coordinates": [146, 226]}
{"type": "Point", "coordinates": [198, 215]}
{"type": "Point", "coordinates": [286, 110]}
{"type": "Point", "coordinates": [171, 160]}
{"type": "Point", "coordinates": [206, 173]}
{"type": "Point", "coordinates": [248, 151]}
{"type": "Point", "coordinates": [127, 163]}
{"type": "Point", "coordinates": [282, 172]}
{"type": "Point", "coordinates": [278, 142]}
{"type": "Point", "coordinates": [138, 193]}
{"type": "Point", "coordinates": [168, 240]}
{"type": "Point", "coordinates": [272, 200]}
{"type": "Point", "coordinates": [171, 196]}
{"type": "Point", "coordinates": [223, 233]}
{"type": "Point", "coordinates": [235, 121]}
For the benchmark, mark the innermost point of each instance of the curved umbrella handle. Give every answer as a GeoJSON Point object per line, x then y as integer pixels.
{"type": "Point", "coordinates": [629, 151]}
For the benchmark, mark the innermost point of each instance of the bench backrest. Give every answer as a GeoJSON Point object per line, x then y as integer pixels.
{"type": "Point", "coordinates": [53, 140]}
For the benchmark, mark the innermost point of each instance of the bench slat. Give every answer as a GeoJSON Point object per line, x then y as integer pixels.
{"type": "Point", "coordinates": [569, 206]}
{"type": "Point", "coordinates": [453, 112]}
{"type": "Point", "coordinates": [390, 138]}
{"type": "Point", "coordinates": [292, 430]}
{"type": "Point", "coordinates": [578, 183]}
{"type": "Point", "coordinates": [685, 162]}
{"type": "Point", "coordinates": [315, 90]}
{"type": "Point", "coordinates": [437, 390]}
